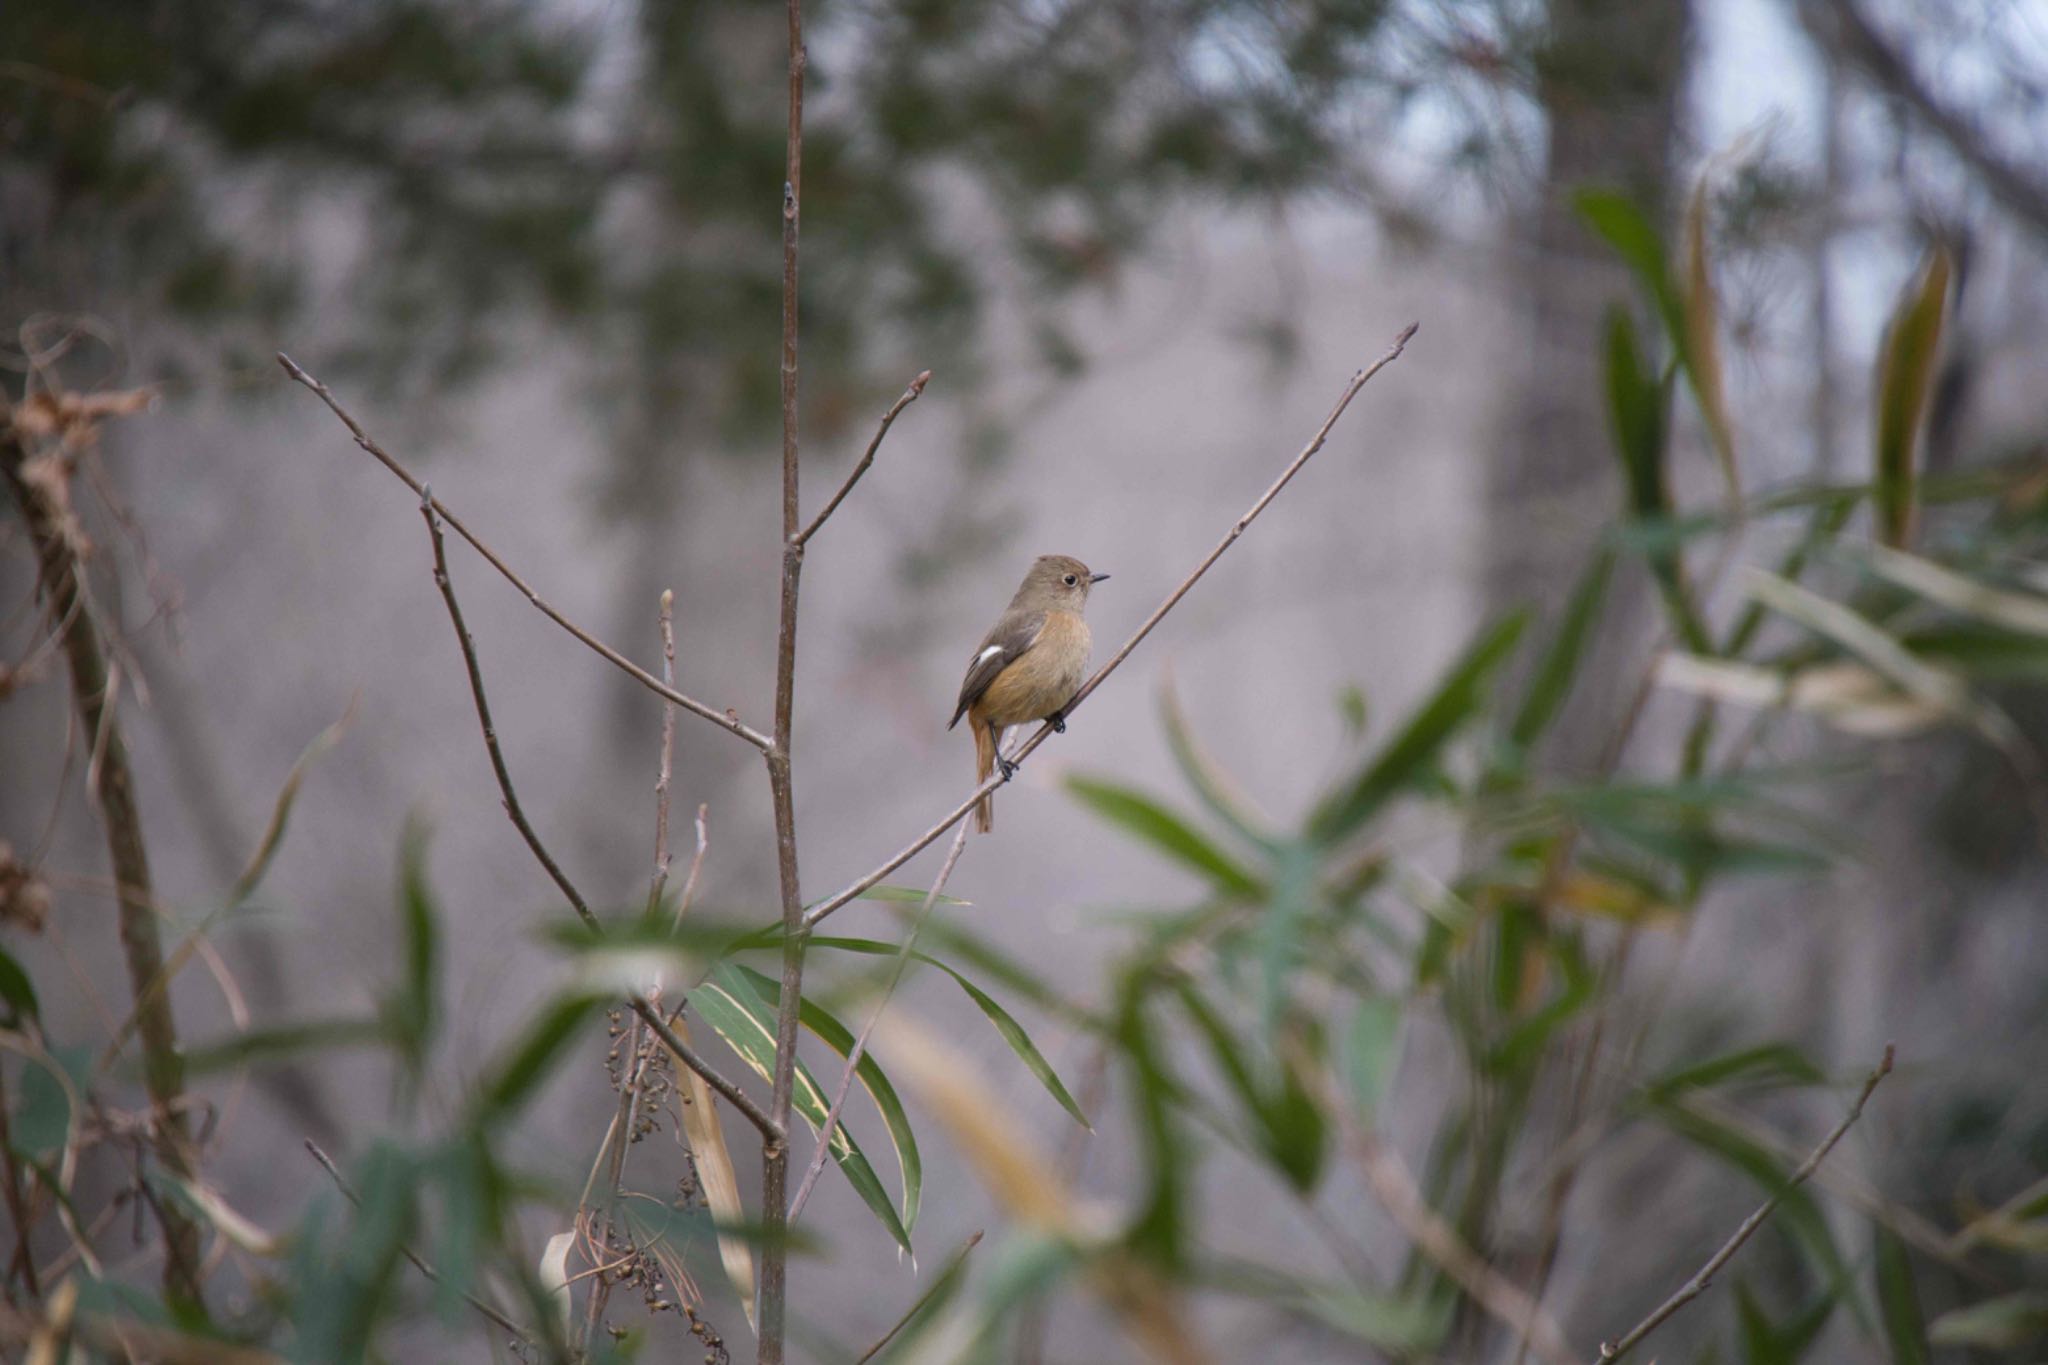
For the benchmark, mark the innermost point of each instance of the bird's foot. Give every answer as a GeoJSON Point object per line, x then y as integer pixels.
{"type": "Point", "coordinates": [1009, 768]}
{"type": "Point", "coordinates": [1059, 722]}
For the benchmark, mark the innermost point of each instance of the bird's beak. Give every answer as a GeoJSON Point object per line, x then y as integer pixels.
{"type": "Point", "coordinates": [1097, 577]}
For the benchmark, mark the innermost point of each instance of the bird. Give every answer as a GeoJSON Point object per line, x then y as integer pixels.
{"type": "Point", "coordinates": [1028, 666]}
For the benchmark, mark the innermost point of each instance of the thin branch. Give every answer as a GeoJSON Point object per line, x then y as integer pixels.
{"type": "Point", "coordinates": [725, 720]}
{"type": "Point", "coordinates": [772, 1288]}
{"type": "Point", "coordinates": [1704, 1277]}
{"type": "Point", "coordinates": [910, 395]}
{"type": "Point", "coordinates": [482, 1306]}
{"type": "Point", "coordinates": [668, 749]}
{"type": "Point", "coordinates": [1395, 1187]}
{"type": "Point", "coordinates": [771, 1131]}
{"type": "Point", "coordinates": [938, 1282]}
{"type": "Point", "coordinates": [860, 1044]}
{"type": "Point", "coordinates": [61, 573]}
{"type": "Point", "coordinates": [938, 831]}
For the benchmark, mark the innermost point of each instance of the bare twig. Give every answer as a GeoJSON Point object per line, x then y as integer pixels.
{"type": "Point", "coordinates": [938, 831]}
{"type": "Point", "coordinates": [910, 395]}
{"type": "Point", "coordinates": [62, 576]}
{"type": "Point", "coordinates": [348, 1192]}
{"type": "Point", "coordinates": [771, 1131]}
{"type": "Point", "coordinates": [773, 1284]}
{"type": "Point", "coordinates": [668, 749]}
{"type": "Point", "coordinates": [1704, 1277]}
{"type": "Point", "coordinates": [724, 720]}
{"type": "Point", "coordinates": [860, 1044]}
{"type": "Point", "coordinates": [938, 1282]}
{"type": "Point", "coordinates": [1395, 1187]}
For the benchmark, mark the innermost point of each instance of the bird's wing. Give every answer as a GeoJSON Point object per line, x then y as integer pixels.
{"type": "Point", "coordinates": [1010, 640]}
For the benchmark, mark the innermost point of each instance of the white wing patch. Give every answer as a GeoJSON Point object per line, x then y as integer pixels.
{"type": "Point", "coordinates": [988, 654]}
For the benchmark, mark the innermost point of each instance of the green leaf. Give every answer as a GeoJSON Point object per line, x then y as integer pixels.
{"type": "Point", "coordinates": [283, 1043]}
{"type": "Point", "coordinates": [529, 1062]}
{"type": "Point", "coordinates": [1413, 1323]}
{"type": "Point", "coordinates": [414, 1008]}
{"type": "Point", "coordinates": [1772, 1064]}
{"type": "Point", "coordinates": [2005, 1323]}
{"type": "Point", "coordinates": [1559, 666]}
{"type": "Point", "coordinates": [1898, 1303]}
{"type": "Point", "coordinates": [1138, 814]}
{"type": "Point", "coordinates": [1636, 403]}
{"type": "Point", "coordinates": [1411, 754]}
{"type": "Point", "coordinates": [839, 1038]}
{"type": "Point", "coordinates": [1372, 1051]}
{"type": "Point", "coordinates": [1285, 1124]}
{"type": "Point", "coordinates": [44, 1113]}
{"type": "Point", "coordinates": [17, 992]}
{"type": "Point", "coordinates": [904, 895]}
{"type": "Point", "coordinates": [1011, 1031]}
{"type": "Point", "coordinates": [731, 1006]}
{"type": "Point", "coordinates": [1208, 782]}
{"type": "Point", "coordinates": [1905, 381]}
{"type": "Point", "coordinates": [1616, 218]}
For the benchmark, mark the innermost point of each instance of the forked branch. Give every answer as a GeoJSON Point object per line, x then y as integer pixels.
{"type": "Point", "coordinates": [910, 395]}
{"type": "Point", "coordinates": [724, 720]}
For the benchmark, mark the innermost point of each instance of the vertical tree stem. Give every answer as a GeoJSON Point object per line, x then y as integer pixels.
{"type": "Point", "coordinates": [775, 1153]}
{"type": "Point", "coordinates": [60, 573]}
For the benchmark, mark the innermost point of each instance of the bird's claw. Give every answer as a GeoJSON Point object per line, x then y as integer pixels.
{"type": "Point", "coordinates": [1009, 768]}
{"type": "Point", "coordinates": [1059, 722]}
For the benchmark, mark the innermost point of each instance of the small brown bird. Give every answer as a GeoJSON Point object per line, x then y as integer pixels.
{"type": "Point", "coordinates": [1028, 666]}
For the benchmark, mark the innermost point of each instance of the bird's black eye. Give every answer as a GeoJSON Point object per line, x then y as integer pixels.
{"type": "Point", "coordinates": [1070, 580]}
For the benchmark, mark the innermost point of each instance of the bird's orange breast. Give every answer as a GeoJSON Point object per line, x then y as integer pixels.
{"type": "Point", "coordinates": [1045, 679]}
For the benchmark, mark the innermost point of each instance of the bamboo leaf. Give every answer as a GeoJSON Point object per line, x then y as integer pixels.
{"type": "Point", "coordinates": [1412, 751]}
{"type": "Point", "coordinates": [1701, 350]}
{"type": "Point", "coordinates": [530, 1061]}
{"type": "Point", "coordinates": [1138, 814]}
{"type": "Point", "coordinates": [1208, 782]}
{"type": "Point", "coordinates": [1905, 380]}
{"type": "Point", "coordinates": [1552, 681]}
{"type": "Point", "coordinates": [744, 1020]}
{"type": "Point", "coordinates": [1010, 1030]}
{"type": "Point", "coordinates": [1771, 1064]}
{"type": "Point", "coordinates": [2005, 1323]}
{"type": "Point", "coordinates": [2014, 611]}
{"type": "Point", "coordinates": [1898, 1303]}
{"type": "Point", "coordinates": [820, 1021]}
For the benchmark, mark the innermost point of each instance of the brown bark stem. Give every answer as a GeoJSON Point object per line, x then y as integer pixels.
{"type": "Point", "coordinates": [113, 791]}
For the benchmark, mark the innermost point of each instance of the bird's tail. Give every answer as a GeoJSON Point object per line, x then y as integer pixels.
{"type": "Point", "coordinates": [984, 768]}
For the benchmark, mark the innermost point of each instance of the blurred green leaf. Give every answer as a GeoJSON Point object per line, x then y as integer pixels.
{"type": "Point", "coordinates": [43, 1115]}
{"type": "Point", "coordinates": [1372, 1051]}
{"type": "Point", "coordinates": [731, 1006]}
{"type": "Point", "coordinates": [904, 895]}
{"type": "Point", "coordinates": [1765, 1342]}
{"type": "Point", "coordinates": [1769, 1064]}
{"type": "Point", "coordinates": [2023, 612]}
{"type": "Point", "coordinates": [1138, 814]}
{"type": "Point", "coordinates": [1285, 1124]}
{"type": "Point", "coordinates": [1558, 668]}
{"type": "Point", "coordinates": [1415, 1322]}
{"type": "Point", "coordinates": [1898, 1302]}
{"type": "Point", "coordinates": [1701, 341]}
{"type": "Point", "coordinates": [2005, 1323]}
{"type": "Point", "coordinates": [1411, 753]}
{"type": "Point", "coordinates": [281, 809]}
{"type": "Point", "coordinates": [17, 992]}
{"type": "Point", "coordinates": [1159, 1229]}
{"type": "Point", "coordinates": [816, 1018]}
{"type": "Point", "coordinates": [284, 1043]}
{"type": "Point", "coordinates": [1616, 218]}
{"type": "Point", "coordinates": [413, 1009]}
{"type": "Point", "coordinates": [1636, 404]}
{"type": "Point", "coordinates": [530, 1061]}
{"type": "Point", "coordinates": [1011, 1031]}
{"type": "Point", "coordinates": [1905, 381]}
{"type": "Point", "coordinates": [1202, 775]}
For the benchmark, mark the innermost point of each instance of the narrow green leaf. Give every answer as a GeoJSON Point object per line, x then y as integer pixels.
{"type": "Point", "coordinates": [414, 1008]}
{"type": "Point", "coordinates": [1636, 402]}
{"type": "Point", "coordinates": [1138, 814]}
{"type": "Point", "coordinates": [1372, 1051]}
{"type": "Point", "coordinates": [905, 895]}
{"type": "Point", "coordinates": [530, 1061]}
{"type": "Point", "coordinates": [1209, 784]}
{"type": "Point", "coordinates": [1617, 219]}
{"type": "Point", "coordinates": [1414, 1323]}
{"type": "Point", "coordinates": [1559, 665]}
{"type": "Point", "coordinates": [1772, 1064]}
{"type": "Point", "coordinates": [839, 1038]}
{"type": "Point", "coordinates": [743, 1019]}
{"type": "Point", "coordinates": [1287, 1127]}
{"type": "Point", "coordinates": [1701, 342]}
{"type": "Point", "coordinates": [283, 1043]}
{"type": "Point", "coordinates": [44, 1112]}
{"type": "Point", "coordinates": [1005, 1025]}
{"type": "Point", "coordinates": [1905, 381]}
{"type": "Point", "coordinates": [1898, 1302]}
{"type": "Point", "coordinates": [1415, 748]}
{"type": "Point", "coordinates": [2005, 1323]}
